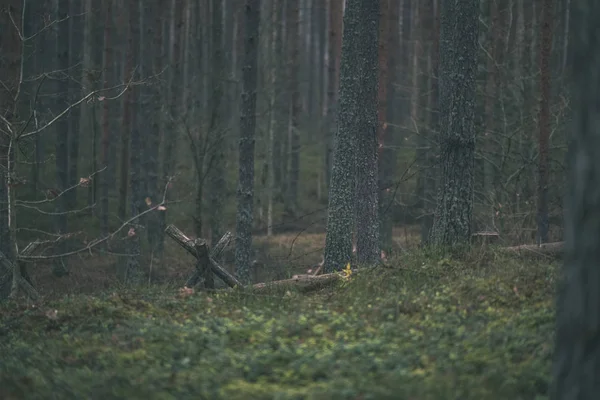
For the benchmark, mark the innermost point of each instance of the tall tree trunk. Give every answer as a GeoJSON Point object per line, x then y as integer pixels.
{"type": "Point", "coordinates": [489, 140]}
{"type": "Point", "coordinates": [216, 130]}
{"type": "Point", "coordinates": [566, 33]}
{"type": "Point", "coordinates": [10, 63]}
{"type": "Point", "coordinates": [417, 35]}
{"type": "Point", "coordinates": [336, 10]}
{"type": "Point", "coordinates": [126, 125]}
{"type": "Point", "coordinates": [385, 37]}
{"type": "Point", "coordinates": [294, 41]}
{"type": "Point", "coordinates": [245, 190]}
{"type": "Point", "coordinates": [90, 80]}
{"type": "Point", "coordinates": [217, 125]}
{"type": "Point", "coordinates": [61, 129]}
{"type": "Point", "coordinates": [544, 119]}
{"type": "Point", "coordinates": [33, 66]}
{"type": "Point", "coordinates": [151, 161]}
{"type": "Point", "coordinates": [458, 64]}
{"type": "Point", "coordinates": [279, 154]}
{"type": "Point", "coordinates": [106, 66]}
{"type": "Point", "coordinates": [130, 124]}
{"type": "Point", "coordinates": [197, 134]}
{"type": "Point", "coordinates": [273, 115]}
{"type": "Point", "coordinates": [577, 352]}
{"type": "Point", "coordinates": [174, 105]}
{"type": "Point", "coordinates": [431, 174]}
{"type": "Point", "coordinates": [357, 126]}
{"type": "Point", "coordinates": [368, 140]}
{"type": "Point", "coordinates": [387, 105]}
{"type": "Point", "coordinates": [75, 53]}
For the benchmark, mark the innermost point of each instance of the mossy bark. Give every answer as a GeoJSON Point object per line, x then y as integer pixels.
{"type": "Point", "coordinates": [458, 65]}
{"type": "Point", "coordinates": [357, 123]}
{"type": "Point", "coordinates": [245, 189]}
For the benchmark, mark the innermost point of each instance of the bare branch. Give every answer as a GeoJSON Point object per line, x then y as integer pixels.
{"type": "Point", "coordinates": [23, 203]}
{"type": "Point", "coordinates": [70, 107]}
{"type": "Point", "coordinates": [101, 240]}
{"type": "Point", "coordinates": [57, 213]}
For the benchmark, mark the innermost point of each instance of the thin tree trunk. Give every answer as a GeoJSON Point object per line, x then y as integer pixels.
{"type": "Point", "coordinates": [336, 9]}
{"type": "Point", "coordinates": [174, 105]}
{"type": "Point", "coordinates": [217, 125]}
{"type": "Point", "coordinates": [126, 126]}
{"type": "Point", "coordinates": [133, 273]}
{"type": "Point", "coordinates": [216, 130]}
{"type": "Point", "coordinates": [544, 119]}
{"type": "Point", "coordinates": [10, 63]}
{"type": "Point", "coordinates": [432, 174]}
{"type": "Point", "coordinates": [245, 190]}
{"type": "Point", "coordinates": [61, 128]}
{"type": "Point", "coordinates": [385, 37]}
{"type": "Point", "coordinates": [387, 160]}
{"type": "Point", "coordinates": [151, 154]}
{"type": "Point", "coordinates": [273, 82]}
{"type": "Point", "coordinates": [106, 118]}
{"type": "Point", "coordinates": [74, 117]}
{"type": "Point", "coordinates": [294, 41]}
{"type": "Point", "coordinates": [90, 80]}
{"type": "Point", "coordinates": [566, 33]}
{"type": "Point", "coordinates": [489, 139]}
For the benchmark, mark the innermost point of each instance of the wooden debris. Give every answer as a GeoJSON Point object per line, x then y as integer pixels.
{"type": "Point", "coordinates": [485, 237]}
{"type": "Point", "coordinates": [215, 252]}
{"type": "Point", "coordinates": [199, 249]}
{"type": "Point", "coordinates": [554, 249]}
{"type": "Point", "coordinates": [303, 283]}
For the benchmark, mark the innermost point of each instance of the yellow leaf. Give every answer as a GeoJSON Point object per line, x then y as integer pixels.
{"type": "Point", "coordinates": [347, 270]}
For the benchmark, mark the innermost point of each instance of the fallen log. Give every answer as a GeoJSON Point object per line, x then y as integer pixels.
{"type": "Point", "coordinates": [302, 283]}
{"type": "Point", "coordinates": [199, 249]}
{"type": "Point", "coordinates": [555, 249]}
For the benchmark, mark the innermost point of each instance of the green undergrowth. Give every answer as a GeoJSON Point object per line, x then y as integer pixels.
{"type": "Point", "coordinates": [427, 327]}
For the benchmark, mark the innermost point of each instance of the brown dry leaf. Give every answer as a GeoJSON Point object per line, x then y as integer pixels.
{"type": "Point", "coordinates": [148, 201]}
{"type": "Point", "coordinates": [84, 182]}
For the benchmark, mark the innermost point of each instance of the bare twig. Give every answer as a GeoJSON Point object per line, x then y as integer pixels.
{"type": "Point", "coordinates": [23, 203]}
{"type": "Point", "coordinates": [110, 236]}
{"type": "Point", "coordinates": [73, 105]}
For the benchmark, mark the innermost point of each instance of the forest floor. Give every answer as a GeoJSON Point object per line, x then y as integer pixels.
{"type": "Point", "coordinates": [479, 327]}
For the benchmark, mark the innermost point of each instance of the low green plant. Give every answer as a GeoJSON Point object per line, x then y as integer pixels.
{"type": "Point", "coordinates": [427, 327]}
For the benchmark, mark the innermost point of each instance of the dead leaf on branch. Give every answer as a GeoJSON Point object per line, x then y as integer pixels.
{"type": "Point", "coordinates": [84, 182]}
